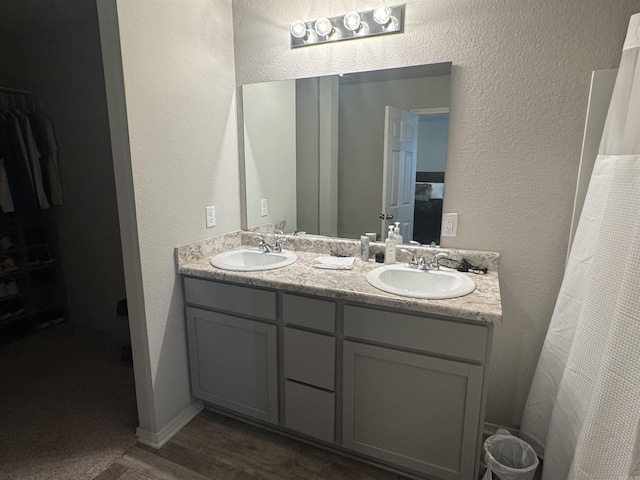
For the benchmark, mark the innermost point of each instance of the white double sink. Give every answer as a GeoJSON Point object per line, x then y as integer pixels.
{"type": "Point", "coordinates": [403, 280]}
{"type": "Point", "coordinates": [398, 279]}
{"type": "Point", "coordinates": [253, 260]}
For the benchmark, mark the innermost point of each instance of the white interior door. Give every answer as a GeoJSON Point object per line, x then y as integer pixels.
{"type": "Point", "coordinates": [399, 177]}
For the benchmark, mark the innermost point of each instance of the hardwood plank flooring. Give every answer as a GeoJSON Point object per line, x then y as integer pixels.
{"type": "Point", "coordinates": [114, 472]}
{"type": "Point", "coordinates": [214, 447]}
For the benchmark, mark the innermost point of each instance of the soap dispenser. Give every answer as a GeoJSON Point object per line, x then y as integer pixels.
{"type": "Point", "coordinates": [396, 234]}
{"type": "Point", "coordinates": [390, 247]}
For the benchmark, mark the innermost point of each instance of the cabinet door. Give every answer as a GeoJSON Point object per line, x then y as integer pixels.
{"type": "Point", "coordinates": [412, 410]}
{"type": "Point", "coordinates": [234, 363]}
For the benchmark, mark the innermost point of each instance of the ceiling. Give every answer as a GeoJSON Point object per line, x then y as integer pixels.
{"type": "Point", "coordinates": [29, 18]}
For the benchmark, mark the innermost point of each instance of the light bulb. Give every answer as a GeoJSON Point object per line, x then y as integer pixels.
{"type": "Point", "coordinates": [352, 21]}
{"type": "Point", "coordinates": [382, 14]}
{"type": "Point", "coordinates": [298, 29]}
{"type": "Point", "coordinates": [312, 37]}
{"type": "Point", "coordinates": [392, 25]}
{"type": "Point", "coordinates": [363, 30]}
{"type": "Point", "coordinates": [323, 26]}
{"type": "Point", "coordinates": [335, 34]}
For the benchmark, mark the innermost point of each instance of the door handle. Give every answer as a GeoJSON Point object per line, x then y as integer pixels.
{"type": "Point", "coordinates": [388, 216]}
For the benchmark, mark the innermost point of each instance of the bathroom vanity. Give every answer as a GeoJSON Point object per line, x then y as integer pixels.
{"type": "Point", "coordinates": [322, 355]}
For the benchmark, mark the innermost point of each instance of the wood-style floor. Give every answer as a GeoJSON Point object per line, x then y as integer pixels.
{"type": "Point", "coordinates": [215, 447]}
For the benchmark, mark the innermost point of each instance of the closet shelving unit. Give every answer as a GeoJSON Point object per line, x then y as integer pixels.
{"type": "Point", "coordinates": [32, 293]}
{"type": "Point", "coordinates": [37, 298]}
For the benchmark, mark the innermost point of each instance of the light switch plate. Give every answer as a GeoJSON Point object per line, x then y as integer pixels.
{"type": "Point", "coordinates": [449, 225]}
{"type": "Point", "coordinates": [264, 210]}
{"type": "Point", "coordinates": [211, 216]}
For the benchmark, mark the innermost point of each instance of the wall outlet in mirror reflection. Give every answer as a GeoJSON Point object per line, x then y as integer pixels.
{"type": "Point", "coordinates": [449, 225]}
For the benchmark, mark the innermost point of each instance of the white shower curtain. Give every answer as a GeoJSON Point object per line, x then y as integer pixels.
{"type": "Point", "coordinates": [584, 405]}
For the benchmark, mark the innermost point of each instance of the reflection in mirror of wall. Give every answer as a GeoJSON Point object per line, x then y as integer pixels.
{"type": "Point", "coordinates": [315, 149]}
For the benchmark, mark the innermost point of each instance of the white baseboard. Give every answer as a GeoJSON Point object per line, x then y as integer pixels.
{"type": "Point", "coordinates": [157, 440]}
{"type": "Point", "coordinates": [492, 428]}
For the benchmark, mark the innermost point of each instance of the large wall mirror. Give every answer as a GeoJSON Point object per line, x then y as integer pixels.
{"type": "Point", "coordinates": [349, 154]}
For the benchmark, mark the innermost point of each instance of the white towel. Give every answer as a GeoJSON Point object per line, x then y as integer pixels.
{"type": "Point", "coordinates": [335, 263]}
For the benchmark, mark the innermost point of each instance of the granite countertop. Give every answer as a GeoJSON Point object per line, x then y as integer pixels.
{"type": "Point", "coordinates": [484, 304]}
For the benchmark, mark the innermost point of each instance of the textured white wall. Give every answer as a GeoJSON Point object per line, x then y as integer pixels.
{"type": "Point", "coordinates": [177, 59]}
{"type": "Point", "coordinates": [520, 82]}
{"type": "Point", "coordinates": [307, 154]}
{"type": "Point", "coordinates": [269, 116]}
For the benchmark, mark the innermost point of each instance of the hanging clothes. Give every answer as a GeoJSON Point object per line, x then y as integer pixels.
{"type": "Point", "coordinates": [50, 158]}
{"type": "Point", "coordinates": [41, 144]}
{"type": "Point", "coordinates": [33, 156]}
{"type": "Point", "coordinates": [16, 165]}
{"type": "Point", "coordinates": [6, 202]}
{"type": "Point", "coordinates": [583, 409]}
{"type": "Point", "coordinates": [30, 176]}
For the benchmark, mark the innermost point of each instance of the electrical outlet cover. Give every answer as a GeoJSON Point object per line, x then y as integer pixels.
{"type": "Point", "coordinates": [449, 225]}
{"type": "Point", "coordinates": [211, 216]}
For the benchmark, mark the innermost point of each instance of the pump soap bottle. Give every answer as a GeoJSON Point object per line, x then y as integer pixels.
{"type": "Point", "coordinates": [396, 233]}
{"type": "Point", "coordinates": [390, 247]}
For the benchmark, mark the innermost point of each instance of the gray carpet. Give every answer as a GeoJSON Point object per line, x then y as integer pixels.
{"type": "Point", "coordinates": [67, 405]}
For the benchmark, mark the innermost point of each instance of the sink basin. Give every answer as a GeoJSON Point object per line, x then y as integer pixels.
{"type": "Point", "coordinates": [429, 284]}
{"type": "Point", "coordinates": [252, 259]}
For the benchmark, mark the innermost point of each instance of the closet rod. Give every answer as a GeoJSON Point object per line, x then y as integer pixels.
{"type": "Point", "coordinates": [15, 90]}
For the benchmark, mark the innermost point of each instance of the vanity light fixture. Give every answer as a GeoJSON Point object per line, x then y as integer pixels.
{"type": "Point", "coordinates": [381, 20]}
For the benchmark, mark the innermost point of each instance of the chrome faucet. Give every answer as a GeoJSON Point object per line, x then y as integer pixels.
{"type": "Point", "coordinates": [278, 248]}
{"type": "Point", "coordinates": [435, 261]}
{"type": "Point", "coordinates": [264, 247]}
{"type": "Point", "coordinates": [413, 263]}
{"type": "Point", "coordinates": [421, 263]}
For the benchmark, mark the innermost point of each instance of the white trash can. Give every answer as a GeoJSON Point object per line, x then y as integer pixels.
{"type": "Point", "coordinates": [509, 458]}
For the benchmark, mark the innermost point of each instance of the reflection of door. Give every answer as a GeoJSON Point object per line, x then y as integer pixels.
{"type": "Point", "coordinates": [399, 170]}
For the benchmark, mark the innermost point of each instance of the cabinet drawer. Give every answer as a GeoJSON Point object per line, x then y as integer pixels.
{"type": "Point", "coordinates": [418, 333]}
{"type": "Point", "coordinates": [230, 298]}
{"type": "Point", "coordinates": [309, 358]}
{"type": "Point", "coordinates": [309, 312]}
{"type": "Point", "coordinates": [309, 411]}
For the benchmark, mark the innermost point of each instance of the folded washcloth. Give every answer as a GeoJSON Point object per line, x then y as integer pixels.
{"type": "Point", "coordinates": [335, 263]}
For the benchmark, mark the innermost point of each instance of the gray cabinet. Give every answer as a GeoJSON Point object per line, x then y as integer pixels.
{"type": "Point", "coordinates": [244, 301]}
{"type": "Point", "coordinates": [309, 312]}
{"type": "Point", "coordinates": [399, 388]}
{"type": "Point", "coordinates": [309, 366]}
{"type": "Point", "coordinates": [234, 363]}
{"type": "Point", "coordinates": [412, 410]}
{"type": "Point", "coordinates": [309, 411]}
{"type": "Point", "coordinates": [309, 358]}
{"type": "Point", "coordinates": [415, 332]}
